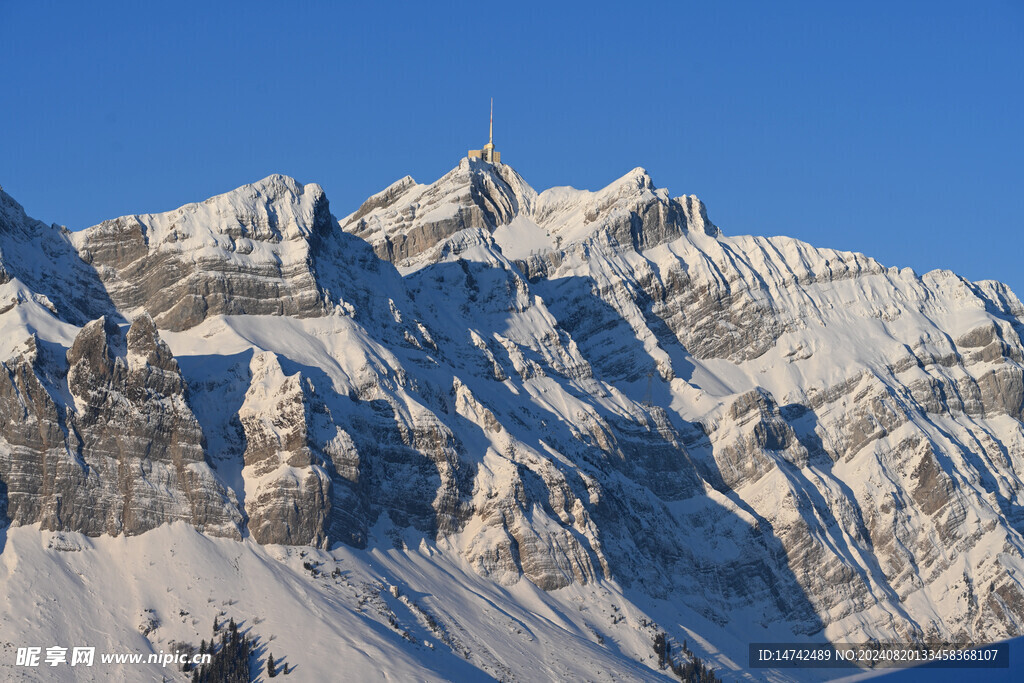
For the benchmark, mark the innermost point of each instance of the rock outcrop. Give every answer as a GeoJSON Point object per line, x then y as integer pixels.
{"type": "Point", "coordinates": [107, 442]}
{"type": "Point", "coordinates": [44, 258]}
{"type": "Point", "coordinates": [288, 488]}
{"type": "Point", "coordinates": [246, 252]}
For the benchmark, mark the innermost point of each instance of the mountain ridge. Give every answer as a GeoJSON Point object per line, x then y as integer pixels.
{"type": "Point", "coordinates": [570, 388]}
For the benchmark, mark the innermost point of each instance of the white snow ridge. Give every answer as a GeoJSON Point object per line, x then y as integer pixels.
{"type": "Point", "coordinates": [476, 432]}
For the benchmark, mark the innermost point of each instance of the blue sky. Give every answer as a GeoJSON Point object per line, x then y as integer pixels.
{"type": "Point", "coordinates": [891, 128]}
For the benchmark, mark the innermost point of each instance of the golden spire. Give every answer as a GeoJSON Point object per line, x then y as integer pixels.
{"type": "Point", "coordinates": [490, 138]}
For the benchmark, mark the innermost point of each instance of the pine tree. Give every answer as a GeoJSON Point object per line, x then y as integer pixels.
{"type": "Point", "coordinates": [271, 669]}
{"type": "Point", "coordinates": [660, 645]}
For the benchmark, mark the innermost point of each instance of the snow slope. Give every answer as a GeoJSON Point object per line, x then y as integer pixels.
{"type": "Point", "coordinates": [386, 613]}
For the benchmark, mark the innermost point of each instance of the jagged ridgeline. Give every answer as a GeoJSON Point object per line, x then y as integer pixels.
{"type": "Point", "coordinates": [563, 388]}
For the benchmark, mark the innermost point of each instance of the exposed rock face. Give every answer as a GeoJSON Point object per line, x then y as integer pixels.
{"type": "Point", "coordinates": [563, 387]}
{"type": "Point", "coordinates": [407, 220]}
{"type": "Point", "coordinates": [113, 448]}
{"type": "Point", "coordinates": [44, 259]}
{"type": "Point", "coordinates": [321, 468]}
{"type": "Point", "coordinates": [246, 252]}
{"type": "Point", "coordinates": [288, 490]}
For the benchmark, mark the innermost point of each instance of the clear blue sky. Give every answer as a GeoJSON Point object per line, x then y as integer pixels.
{"type": "Point", "coordinates": [891, 128]}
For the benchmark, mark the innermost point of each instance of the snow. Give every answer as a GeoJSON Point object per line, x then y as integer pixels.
{"type": "Point", "coordinates": [24, 314]}
{"type": "Point", "coordinates": [344, 619]}
{"type": "Point", "coordinates": [522, 238]}
{"type": "Point", "coordinates": [214, 230]}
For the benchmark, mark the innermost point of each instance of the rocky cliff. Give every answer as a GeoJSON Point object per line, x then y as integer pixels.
{"type": "Point", "coordinates": [246, 252]}
{"type": "Point", "coordinates": [103, 441]}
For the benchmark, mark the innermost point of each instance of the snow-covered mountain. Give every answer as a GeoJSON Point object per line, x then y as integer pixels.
{"type": "Point", "coordinates": [473, 430]}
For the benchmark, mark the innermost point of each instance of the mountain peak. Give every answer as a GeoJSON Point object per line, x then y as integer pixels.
{"type": "Point", "coordinates": [639, 176]}
{"type": "Point", "coordinates": [405, 221]}
{"type": "Point", "coordinates": [28, 250]}
{"type": "Point", "coordinates": [198, 257]}
{"type": "Point", "coordinates": [273, 189]}
{"type": "Point", "coordinates": [277, 184]}
{"type": "Point", "coordinates": [408, 219]}
{"type": "Point", "coordinates": [13, 216]}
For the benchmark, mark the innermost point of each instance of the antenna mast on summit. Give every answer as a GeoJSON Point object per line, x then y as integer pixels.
{"type": "Point", "coordinates": [488, 153]}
